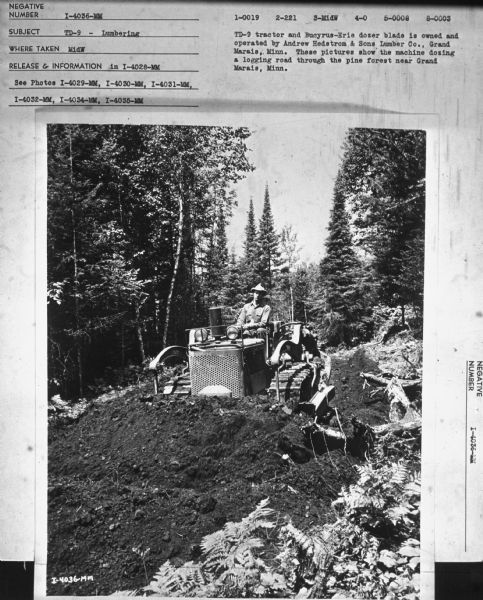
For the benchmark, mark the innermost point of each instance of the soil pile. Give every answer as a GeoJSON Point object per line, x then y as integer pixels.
{"type": "Point", "coordinates": [134, 473]}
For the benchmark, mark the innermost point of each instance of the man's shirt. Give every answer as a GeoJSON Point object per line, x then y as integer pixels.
{"type": "Point", "coordinates": [259, 313]}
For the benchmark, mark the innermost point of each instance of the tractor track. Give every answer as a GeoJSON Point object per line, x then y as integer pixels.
{"type": "Point", "coordinates": [294, 385]}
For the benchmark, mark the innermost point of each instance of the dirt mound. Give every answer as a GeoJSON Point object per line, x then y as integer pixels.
{"type": "Point", "coordinates": [134, 473]}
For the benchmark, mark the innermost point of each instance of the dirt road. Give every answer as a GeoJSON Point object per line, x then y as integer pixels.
{"type": "Point", "coordinates": [134, 482]}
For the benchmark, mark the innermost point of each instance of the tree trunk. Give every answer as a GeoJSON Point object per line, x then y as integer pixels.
{"type": "Point", "coordinates": [405, 383]}
{"type": "Point", "coordinates": [400, 404]}
{"type": "Point", "coordinates": [123, 348]}
{"type": "Point", "coordinates": [207, 270]}
{"type": "Point", "coordinates": [76, 306]}
{"type": "Point", "coordinates": [375, 379]}
{"type": "Point", "coordinates": [76, 276]}
{"type": "Point", "coordinates": [157, 304]}
{"type": "Point", "coordinates": [119, 204]}
{"type": "Point", "coordinates": [80, 372]}
{"type": "Point", "coordinates": [399, 400]}
{"type": "Point", "coordinates": [177, 261]}
{"type": "Point", "coordinates": [398, 427]}
{"type": "Point", "coordinates": [139, 331]}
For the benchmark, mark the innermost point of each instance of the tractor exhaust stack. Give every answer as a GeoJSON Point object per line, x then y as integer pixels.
{"type": "Point", "coordinates": [216, 322]}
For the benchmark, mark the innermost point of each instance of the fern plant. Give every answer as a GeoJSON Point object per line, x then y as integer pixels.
{"type": "Point", "coordinates": [347, 556]}
{"type": "Point", "coordinates": [384, 500]}
{"type": "Point", "coordinates": [187, 580]}
{"type": "Point", "coordinates": [233, 546]}
{"type": "Point", "coordinates": [230, 565]}
{"type": "Point", "coordinates": [230, 555]}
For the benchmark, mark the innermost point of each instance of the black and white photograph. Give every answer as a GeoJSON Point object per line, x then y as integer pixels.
{"type": "Point", "coordinates": [235, 352]}
{"type": "Point", "coordinates": [241, 268]}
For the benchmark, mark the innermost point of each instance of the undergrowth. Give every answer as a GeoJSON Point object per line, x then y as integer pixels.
{"type": "Point", "coordinates": [371, 550]}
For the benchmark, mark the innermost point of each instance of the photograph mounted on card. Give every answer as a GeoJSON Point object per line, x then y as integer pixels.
{"type": "Point", "coordinates": [234, 360]}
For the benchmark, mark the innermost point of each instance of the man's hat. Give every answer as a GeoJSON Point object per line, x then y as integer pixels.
{"type": "Point", "coordinates": [259, 288]}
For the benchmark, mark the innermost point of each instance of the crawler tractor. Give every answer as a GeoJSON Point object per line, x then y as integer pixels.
{"type": "Point", "coordinates": [220, 361]}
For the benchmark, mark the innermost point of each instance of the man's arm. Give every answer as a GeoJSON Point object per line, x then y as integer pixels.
{"type": "Point", "coordinates": [265, 315]}
{"type": "Point", "coordinates": [241, 318]}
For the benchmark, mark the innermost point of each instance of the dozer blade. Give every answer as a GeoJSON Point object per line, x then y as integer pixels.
{"type": "Point", "coordinates": [318, 405]}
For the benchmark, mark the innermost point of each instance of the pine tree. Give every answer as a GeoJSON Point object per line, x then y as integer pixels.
{"type": "Point", "coordinates": [383, 174]}
{"type": "Point", "coordinates": [233, 294]}
{"type": "Point", "coordinates": [301, 286]}
{"type": "Point", "coordinates": [282, 294]}
{"type": "Point", "coordinates": [375, 256]}
{"type": "Point", "coordinates": [217, 260]}
{"type": "Point", "coordinates": [340, 276]}
{"type": "Point", "coordinates": [268, 244]}
{"type": "Point", "coordinates": [251, 254]}
{"type": "Point", "coordinates": [221, 243]}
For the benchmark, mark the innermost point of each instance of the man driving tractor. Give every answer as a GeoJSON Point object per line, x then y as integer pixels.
{"type": "Point", "coordinates": [253, 317]}
{"type": "Point", "coordinates": [285, 361]}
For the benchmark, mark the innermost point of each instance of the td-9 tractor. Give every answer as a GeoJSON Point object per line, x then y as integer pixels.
{"type": "Point", "coordinates": [220, 361]}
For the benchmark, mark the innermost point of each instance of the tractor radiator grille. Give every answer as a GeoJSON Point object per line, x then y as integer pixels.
{"type": "Point", "coordinates": [221, 367]}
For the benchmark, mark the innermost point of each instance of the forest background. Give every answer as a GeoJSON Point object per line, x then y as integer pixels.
{"type": "Point", "coordinates": [138, 247]}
